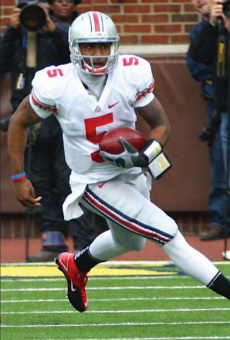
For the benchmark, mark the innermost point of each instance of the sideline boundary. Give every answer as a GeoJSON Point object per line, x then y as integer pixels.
{"type": "Point", "coordinates": [110, 268]}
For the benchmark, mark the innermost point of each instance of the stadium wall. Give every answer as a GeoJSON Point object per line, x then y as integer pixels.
{"type": "Point", "coordinates": [157, 30]}
{"type": "Point", "coordinates": [138, 21]}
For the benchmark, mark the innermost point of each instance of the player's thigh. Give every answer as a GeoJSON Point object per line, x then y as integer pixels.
{"type": "Point", "coordinates": [124, 237]}
{"type": "Point", "coordinates": [123, 204]}
{"type": "Point", "coordinates": [127, 238]}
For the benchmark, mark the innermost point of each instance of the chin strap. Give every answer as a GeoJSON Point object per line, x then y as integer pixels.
{"type": "Point", "coordinates": [93, 70]}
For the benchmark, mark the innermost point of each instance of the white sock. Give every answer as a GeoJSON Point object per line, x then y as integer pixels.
{"type": "Point", "coordinates": [190, 260]}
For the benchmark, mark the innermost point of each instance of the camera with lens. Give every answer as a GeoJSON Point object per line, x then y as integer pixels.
{"type": "Point", "coordinates": [226, 8]}
{"type": "Point", "coordinates": [32, 17]}
{"type": "Point", "coordinates": [4, 123]}
{"type": "Point", "coordinates": [210, 130]}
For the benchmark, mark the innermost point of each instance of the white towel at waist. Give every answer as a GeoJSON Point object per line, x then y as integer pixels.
{"type": "Point", "coordinates": [71, 208]}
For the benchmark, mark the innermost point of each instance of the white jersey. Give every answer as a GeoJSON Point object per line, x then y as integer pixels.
{"type": "Point", "coordinates": [84, 120]}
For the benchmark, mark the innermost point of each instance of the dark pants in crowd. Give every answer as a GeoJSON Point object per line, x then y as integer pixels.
{"type": "Point", "coordinates": [46, 168]}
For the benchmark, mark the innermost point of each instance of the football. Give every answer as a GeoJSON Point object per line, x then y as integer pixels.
{"type": "Point", "coordinates": [110, 141]}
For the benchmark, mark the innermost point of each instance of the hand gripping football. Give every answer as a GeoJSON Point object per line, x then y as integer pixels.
{"type": "Point", "coordinates": [110, 141]}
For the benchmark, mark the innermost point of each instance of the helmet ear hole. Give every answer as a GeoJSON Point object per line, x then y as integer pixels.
{"type": "Point", "coordinates": [93, 27]}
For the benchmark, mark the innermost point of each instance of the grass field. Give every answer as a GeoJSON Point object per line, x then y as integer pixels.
{"type": "Point", "coordinates": [138, 301]}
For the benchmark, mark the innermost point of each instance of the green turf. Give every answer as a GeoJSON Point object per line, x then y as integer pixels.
{"type": "Point", "coordinates": [176, 307]}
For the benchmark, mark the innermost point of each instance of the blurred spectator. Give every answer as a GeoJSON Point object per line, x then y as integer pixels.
{"type": "Point", "coordinates": [22, 53]}
{"type": "Point", "coordinates": [64, 11]}
{"type": "Point", "coordinates": [204, 71]}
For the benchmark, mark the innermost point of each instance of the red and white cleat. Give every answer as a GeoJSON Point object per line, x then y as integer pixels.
{"type": "Point", "coordinates": [76, 281]}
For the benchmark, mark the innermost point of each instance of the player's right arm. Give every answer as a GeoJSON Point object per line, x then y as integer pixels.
{"type": "Point", "coordinates": [20, 121]}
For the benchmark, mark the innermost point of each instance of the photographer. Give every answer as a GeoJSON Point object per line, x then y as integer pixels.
{"type": "Point", "coordinates": [210, 47]}
{"type": "Point", "coordinates": [51, 48]}
{"type": "Point", "coordinates": [210, 134]}
{"type": "Point", "coordinates": [29, 45]}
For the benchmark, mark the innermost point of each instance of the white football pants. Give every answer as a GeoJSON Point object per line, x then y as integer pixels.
{"type": "Point", "coordinates": [132, 217]}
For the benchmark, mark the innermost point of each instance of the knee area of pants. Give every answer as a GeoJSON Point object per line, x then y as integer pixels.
{"type": "Point", "coordinates": [169, 226]}
{"type": "Point", "coordinates": [175, 228]}
{"type": "Point", "coordinates": [136, 245]}
{"type": "Point", "coordinates": [177, 242]}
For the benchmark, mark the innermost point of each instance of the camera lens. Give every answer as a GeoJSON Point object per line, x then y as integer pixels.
{"type": "Point", "coordinates": [226, 8]}
{"type": "Point", "coordinates": [32, 18]}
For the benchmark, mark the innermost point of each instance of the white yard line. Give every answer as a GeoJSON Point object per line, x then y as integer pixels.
{"type": "Point", "coordinates": [122, 324]}
{"type": "Point", "coordinates": [127, 311]}
{"type": "Point", "coordinates": [105, 278]}
{"type": "Point", "coordinates": [103, 288]}
{"type": "Point", "coordinates": [98, 278]}
{"type": "Point", "coordinates": [121, 299]}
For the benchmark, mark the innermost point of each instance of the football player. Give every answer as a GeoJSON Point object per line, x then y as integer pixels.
{"type": "Point", "coordinates": [98, 91]}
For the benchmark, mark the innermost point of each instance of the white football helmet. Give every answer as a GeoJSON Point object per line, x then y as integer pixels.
{"type": "Point", "coordinates": [93, 27]}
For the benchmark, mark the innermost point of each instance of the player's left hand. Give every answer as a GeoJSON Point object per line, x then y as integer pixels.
{"type": "Point", "coordinates": [129, 158]}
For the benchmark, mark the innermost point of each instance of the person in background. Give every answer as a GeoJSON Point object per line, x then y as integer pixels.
{"type": "Point", "coordinates": [44, 158]}
{"type": "Point", "coordinates": [217, 193]}
{"type": "Point", "coordinates": [64, 10]}
{"type": "Point", "coordinates": [100, 91]}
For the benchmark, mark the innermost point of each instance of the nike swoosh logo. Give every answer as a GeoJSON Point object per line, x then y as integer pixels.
{"type": "Point", "coordinates": [72, 287]}
{"type": "Point", "coordinates": [112, 105]}
{"type": "Point", "coordinates": [101, 185]}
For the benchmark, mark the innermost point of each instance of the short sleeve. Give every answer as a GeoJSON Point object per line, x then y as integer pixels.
{"type": "Point", "coordinates": [144, 94]}
{"type": "Point", "coordinates": [40, 99]}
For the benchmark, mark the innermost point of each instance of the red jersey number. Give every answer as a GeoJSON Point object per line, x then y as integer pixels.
{"type": "Point", "coordinates": [91, 125]}
{"type": "Point", "coordinates": [55, 72]}
{"type": "Point", "coordinates": [130, 61]}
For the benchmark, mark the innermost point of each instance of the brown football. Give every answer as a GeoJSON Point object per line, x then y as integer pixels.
{"type": "Point", "coordinates": [110, 141]}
